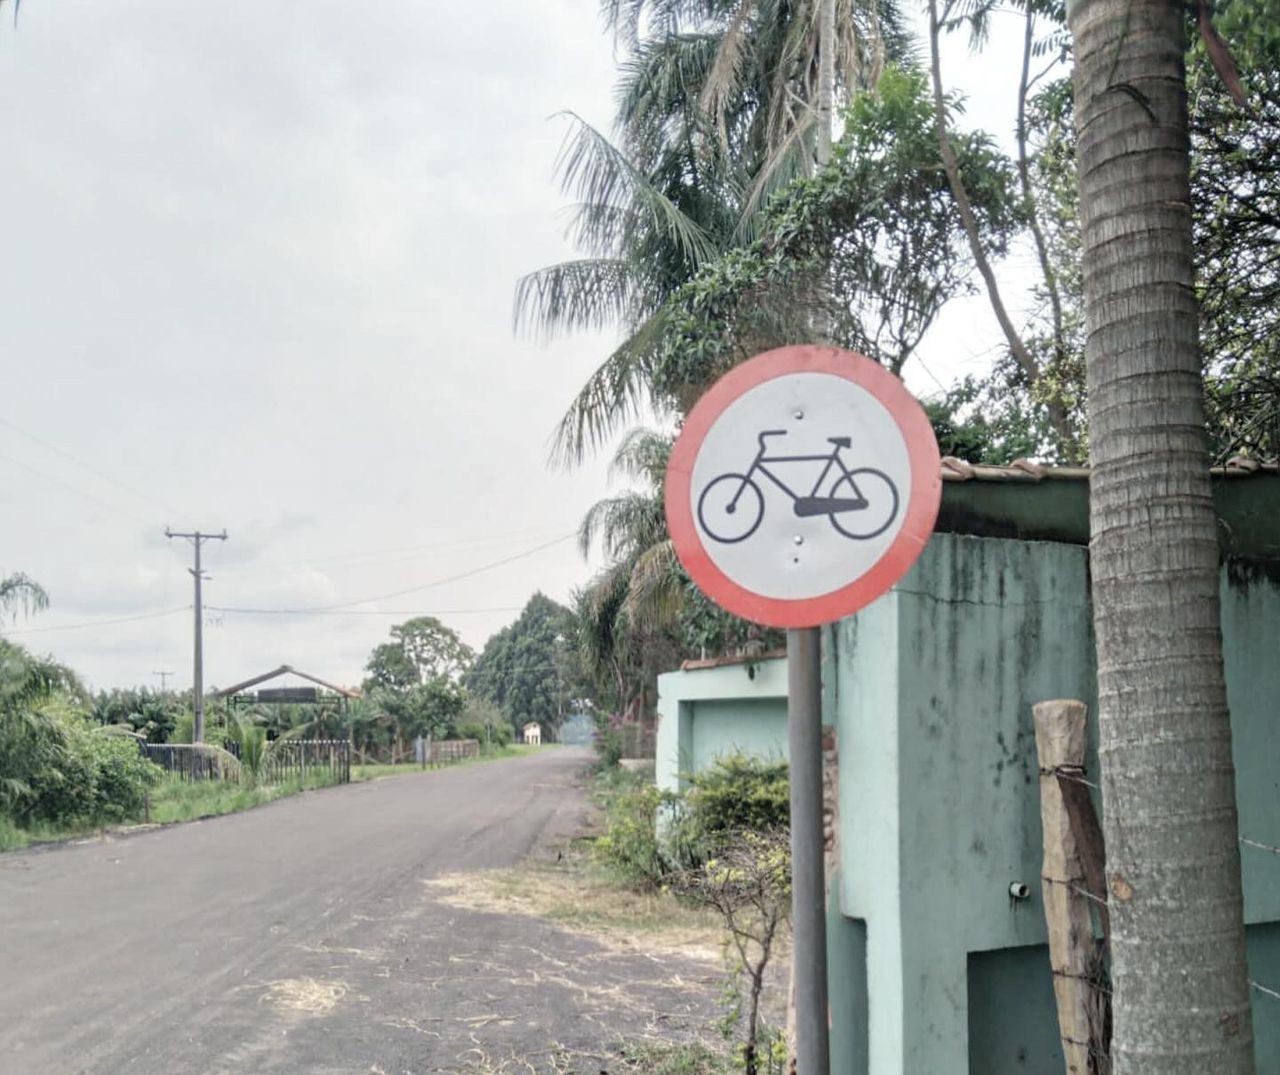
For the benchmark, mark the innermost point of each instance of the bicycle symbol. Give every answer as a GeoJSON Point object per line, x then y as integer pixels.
{"type": "Point", "coordinates": [861, 503]}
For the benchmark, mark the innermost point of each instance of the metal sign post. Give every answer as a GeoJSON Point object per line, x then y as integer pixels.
{"type": "Point", "coordinates": [808, 885]}
{"type": "Point", "coordinates": [803, 485]}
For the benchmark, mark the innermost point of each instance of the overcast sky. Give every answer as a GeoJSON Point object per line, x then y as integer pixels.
{"type": "Point", "coordinates": [256, 268]}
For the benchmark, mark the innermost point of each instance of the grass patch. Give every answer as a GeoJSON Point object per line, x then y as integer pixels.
{"type": "Point", "coordinates": [174, 801]}
{"type": "Point", "coordinates": [379, 770]}
{"type": "Point", "coordinates": [661, 1058]}
{"type": "Point", "coordinates": [641, 1057]}
{"type": "Point", "coordinates": [179, 800]}
{"type": "Point", "coordinates": [580, 895]}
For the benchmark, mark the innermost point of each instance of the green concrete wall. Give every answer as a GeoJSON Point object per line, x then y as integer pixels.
{"type": "Point", "coordinates": [708, 712]}
{"type": "Point", "coordinates": [931, 690]}
{"type": "Point", "coordinates": [754, 726]}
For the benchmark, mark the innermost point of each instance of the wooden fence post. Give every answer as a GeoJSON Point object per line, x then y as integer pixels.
{"type": "Point", "coordinates": [1062, 733]}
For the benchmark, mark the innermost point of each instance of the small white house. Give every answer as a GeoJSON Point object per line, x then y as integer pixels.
{"type": "Point", "coordinates": [532, 732]}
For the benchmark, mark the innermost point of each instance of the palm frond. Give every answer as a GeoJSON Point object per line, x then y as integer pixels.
{"type": "Point", "coordinates": [21, 593]}
{"type": "Point", "coordinates": [602, 177]}
{"type": "Point", "coordinates": [723, 82]}
{"type": "Point", "coordinates": [590, 293]}
{"type": "Point", "coordinates": [642, 455]}
{"type": "Point", "coordinates": [790, 159]}
{"type": "Point", "coordinates": [612, 396]}
{"type": "Point", "coordinates": [625, 525]}
{"type": "Point", "coordinates": [655, 594]}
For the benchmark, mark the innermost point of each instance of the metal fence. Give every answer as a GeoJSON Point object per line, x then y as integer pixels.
{"type": "Point", "coordinates": [444, 751]}
{"type": "Point", "coordinates": [638, 740]}
{"type": "Point", "coordinates": [288, 759]}
{"type": "Point", "coordinates": [299, 759]}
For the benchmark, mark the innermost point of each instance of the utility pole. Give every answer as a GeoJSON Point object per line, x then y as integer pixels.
{"type": "Point", "coordinates": [197, 686]}
{"type": "Point", "coordinates": [164, 680]}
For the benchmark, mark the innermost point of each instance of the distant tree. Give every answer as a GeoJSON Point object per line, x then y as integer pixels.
{"type": "Point", "coordinates": [420, 650]}
{"type": "Point", "coordinates": [414, 687]}
{"type": "Point", "coordinates": [528, 669]}
{"type": "Point", "coordinates": [154, 714]}
{"type": "Point", "coordinates": [21, 594]}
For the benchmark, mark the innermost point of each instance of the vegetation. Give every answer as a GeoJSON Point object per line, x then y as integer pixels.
{"type": "Point", "coordinates": [528, 670]}
{"type": "Point", "coordinates": [722, 845]}
{"type": "Point", "coordinates": [414, 688]}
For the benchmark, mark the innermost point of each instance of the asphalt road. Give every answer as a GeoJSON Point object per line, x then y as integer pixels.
{"type": "Point", "coordinates": [300, 937]}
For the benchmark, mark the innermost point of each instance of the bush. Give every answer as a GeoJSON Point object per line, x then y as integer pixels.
{"type": "Point", "coordinates": [121, 776]}
{"type": "Point", "coordinates": [630, 844]}
{"type": "Point", "coordinates": [608, 746]}
{"type": "Point", "coordinates": [736, 794]}
{"type": "Point", "coordinates": [739, 793]}
{"type": "Point", "coordinates": [56, 767]}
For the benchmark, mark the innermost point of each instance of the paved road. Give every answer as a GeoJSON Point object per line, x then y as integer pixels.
{"type": "Point", "coordinates": [299, 937]}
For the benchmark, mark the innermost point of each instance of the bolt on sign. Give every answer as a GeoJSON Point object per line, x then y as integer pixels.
{"type": "Point", "coordinates": [804, 484]}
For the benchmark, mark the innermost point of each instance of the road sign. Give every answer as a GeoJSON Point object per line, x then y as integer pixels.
{"type": "Point", "coordinates": [803, 485]}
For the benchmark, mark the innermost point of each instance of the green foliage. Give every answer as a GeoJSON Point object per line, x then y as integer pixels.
{"type": "Point", "coordinates": [20, 593]}
{"type": "Point", "coordinates": [153, 714]}
{"type": "Point", "coordinates": [873, 244]}
{"type": "Point", "coordinates": [484, 721]}
{"type": "Point", "coordinates": [251, 739]}
{"type": "Point", "coordinates": [57, 767]}
{"type": "Point", "coordinates": [738, 793]}
{"type": "Point", "coordinates": [430, 708]}
{"type": "Point", "coordinates": [630, 844]}
{"type": "Point", "coordinates": [528, 669]}
{"type": "Point", "coordinates": [420, 650]}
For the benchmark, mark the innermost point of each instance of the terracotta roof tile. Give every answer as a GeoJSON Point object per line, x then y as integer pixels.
{"type": "Point", "coordinates": [1026, 470]}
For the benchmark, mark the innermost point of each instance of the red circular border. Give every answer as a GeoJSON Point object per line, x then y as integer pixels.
{"type": "Point", "coordinates": [922, 503]}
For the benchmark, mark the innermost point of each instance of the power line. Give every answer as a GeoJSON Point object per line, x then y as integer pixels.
{"type": "Point", "coordinates": [377, 556]}
{"type": "Point", "coordinates": [363, 611]}
{"type": "Point", "coordinates": [97, 623]}
{"type": "Point", "coordinates": [73, 488]}
{"type": "Point", "coordinates": [87, 466]}
{"type": "Point", "coordinates": [424, 586]}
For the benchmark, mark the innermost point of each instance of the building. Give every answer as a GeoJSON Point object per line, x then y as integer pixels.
{"type": "Point", "coordinates": [531, 733]}
{"type": "Point", "coordinates": [928, 693]}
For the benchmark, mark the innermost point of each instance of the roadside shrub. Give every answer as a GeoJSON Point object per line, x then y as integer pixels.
{"type": "Point", "coordinates": [630, 844]}
{"type": "Point", "coordinates": [608, 747]}
{"type": "Point", "coordinates": [500, 733]}
{"type": "Point", "coordinates": [738, 792]}
{"type": "Point", "coordinates": [121, 775]}
{"type": "Point", "coordinates": [57, 767]}
{"type": "Point", "coordinates": [651, 835]}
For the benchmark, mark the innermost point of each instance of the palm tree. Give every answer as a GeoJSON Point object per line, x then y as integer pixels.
{"type": "Point", "coordinates": [21, 593]}
{"type": "Point", "coordinates": [1168, 783]}
{"type": "Point", "coordinates": [632, 529]}
{"type": "Point", "coordinates": [719, 106]}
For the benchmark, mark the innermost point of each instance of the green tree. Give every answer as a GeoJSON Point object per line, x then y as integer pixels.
{"type": "Point", "coordinates": [414, 687]}
{"type": "Point", "coordinates": [720, 103]}
{"type": "Point", "coordinates": [1181, 992]}
{"type": "Point", "coordinates": [526, 669]}
{"type": "Point", "coordinates": [421, 650]}
{"type": "Point", "coordinates": [150, 713]}
{"type": "Point", "coordinates": [20, 593]}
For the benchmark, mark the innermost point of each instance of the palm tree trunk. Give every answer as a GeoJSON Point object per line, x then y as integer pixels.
{"type": "Point", "coordinates": [1173, 869]}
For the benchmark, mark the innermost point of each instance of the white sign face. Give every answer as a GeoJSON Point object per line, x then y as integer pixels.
{"type": "Point", "coordinates": [800, 486]}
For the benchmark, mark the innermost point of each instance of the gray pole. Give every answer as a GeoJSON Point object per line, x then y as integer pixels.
{"type": "Point", "coordinates": [808, 883]}
{"type": "Point", "coordinates": [197, 679]}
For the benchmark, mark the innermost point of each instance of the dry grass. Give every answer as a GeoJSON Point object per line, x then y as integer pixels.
{"type": "Point", "coordinates": [581, 897]}
{"type": "Point", "coordinates": [309, 995]}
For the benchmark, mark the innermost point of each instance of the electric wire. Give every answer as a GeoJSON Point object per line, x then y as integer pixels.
{"type": "Point", "coordinates": [85, 624]}
{"type": "Point", "coordinates": [337, 605]}
{"type": "Point", "coordinates": [88, 466]}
